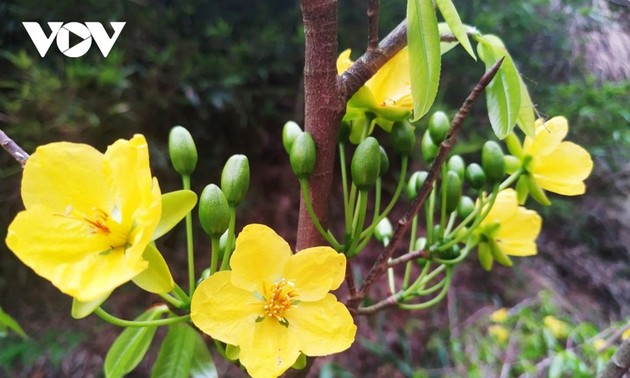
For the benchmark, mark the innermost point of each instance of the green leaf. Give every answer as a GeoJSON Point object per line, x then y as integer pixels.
{"type": "Point", "coordinates": [526, 118]}
{"type": "Point", "coordinates": [157, 277]}
{"type": "Point", "coordinates": [423, 38]}
{"type": "Point", "coordinates": [202, 364]}
{"type": "Point", "coordinates": [460, 32]}
{"type": "Point", "coordinates": [176, 354]}
{"type": "Point", "coordinates": [445, 31]}
{"type": "Point", "coordinates": [82, 309]}
{"type": "Point", "coordinates": [7, 321]}
{"type": "Point", "coordinates": [503, 94]}
{"type": "Point", "coordinates": [131, 345]}
{"type": "Point", "coordinates": [175, 206]}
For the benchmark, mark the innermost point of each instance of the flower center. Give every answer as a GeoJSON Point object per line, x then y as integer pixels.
{"type": "Point", "coordinates": [102, 223]}
{"type": "Point", "coordinates": [279, 298]}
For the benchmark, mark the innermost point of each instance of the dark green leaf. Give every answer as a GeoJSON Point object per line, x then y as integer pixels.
{"type": "Point", "coordinates": [202, 364]}
{"type": "Point", "coordinates": [175, 357]}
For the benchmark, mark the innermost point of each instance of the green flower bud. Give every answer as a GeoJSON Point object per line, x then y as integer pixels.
{"type": "Point", "coordinates": [451, 253]}
{"type": "Point", "coordinates": [492, 161]}
{"type": "Point", "coordinates": [290, 131]}
{"type": "Point", "coordinates": [214, 211]}
{"type": "Point", "coordinates": [302, 156]}
{"type": "Point", "coordinates": [438, 233]}
{"type": "Point", "coordinates": [182, 150]}
{"type": "Point", "coordinates": [403, 137]}
{"type": "Point", "coordinates": [384, 231]}
{"type": "Point", "coordinates": [235, 179]}
{"type": "Point", "coordinates": [453, 190]}
{"type": "Point", "coordinates": [475, 176]}
{"type": "Point", "coordinates": [366, 163]}
{"type": "Point", "coordinates": [485, 256]}
{"type": "Point", "coordinates": [439, 126]}
{"type": "Point", "coordinates": [457, 165]}
{"type": "Point", "coordinates": [420, 244]}
{"type": "Point", "coordinates": [428, 148]}
{"type": "Point", "coordinates": [512, 164]}
{"type": "Point", "coordinates": [415, 182]}
{"type": "Point", "coordinates": [384, 163]}
{"type": "Point", "coordinates": [465, 207]}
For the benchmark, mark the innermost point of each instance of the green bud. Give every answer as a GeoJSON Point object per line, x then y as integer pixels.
{"type": "Point", "coordinates": [512, 164]}
{"type": "Point", "coordinates": [366, 163]}
{"type": "Point", "coordinates": [384, 231]}
{"type": "Point", "coordinates": [214, 211]}
{"type": "Point", "coordinates": [290, 131]}
{"type": "Point", "coordinates": [475, 176]}
{"type": "Point", "coordinates": [415, 182]}
{"type": "Point", "coordinates": [485, 256]}
{"type": "Point", "coordinates": [235, 179]}
{"type": "Point", "coordinates": [492, 161]}
{"type": "Point", "coordinates": [182, 150]}
{"type": "Point", "coordinates": [384, 162]}
{"type": "Point", "coordinates": [403, 137]}
{"type": "Point", "coordinates": [453, 190]}
{"type": "Point", "coordinates": [438, 233]}
{"type": "Point", "coordinates": [302, 156]}
{"type": "Point", "coordinates": [300, 363]}
{"type": "Point", "coordinates": [232, 352]}
{"type": "Point", "coordinates": [428, 148]}
{"type": "Point", "coordinates": [456, 164]}
{"type": "Point", "coordinates": [521, 189]}
{"type": "Point", "coordinates": [420, 244]}
{"type": "Point", "coordinates": [439, 126]}
{"type": "Point", "coordinates": [465, 207]}
{"type": "Point", "coordinates": [451, 253]}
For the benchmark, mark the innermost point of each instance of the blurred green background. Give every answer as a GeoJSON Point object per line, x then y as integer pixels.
{"type": "Point", "coordinates": [231, 73]}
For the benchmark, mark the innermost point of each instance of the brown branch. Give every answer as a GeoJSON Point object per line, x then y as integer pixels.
{"type": "Point", "coordinates": [372, 14]}
{"type": "Point", "coordinates": [380, 265]}
{"type": "Point", "coordinates": [13, 149]}
{"type": "Point", "coordinates": [408, 257]}
{"type": "Point", "coordinates": [619, 363]}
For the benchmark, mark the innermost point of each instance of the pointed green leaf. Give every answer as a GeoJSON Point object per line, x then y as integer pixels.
{"type": "Point", "coordinates": [460, 32]}
{"type": "Point", "coordinates": [202, 364]}
{"type": "Point", "coordinates": [82, 309]}
{"type": "Point", "coordinates": [176, 354]}
{"type": "Point", "coordinates": [526, 118]}
{"type": "Point", "coordinates": [445, 31]}
{"type": "Point", "coordinates": [175, 206]}
{"type": "Point", "coordinates": [157, 277]}
{"type": "Point", "coordinates": [503, 94]}
{"type": "Point", "coordinates": [423, 39]}
{"type": "Point", "coordinates": [131, 345]}
{"type": "Point", "coordinates": [7, 321]}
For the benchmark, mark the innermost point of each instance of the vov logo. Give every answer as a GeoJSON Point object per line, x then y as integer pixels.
{"type": "Point", "coordinates": [61, 32]}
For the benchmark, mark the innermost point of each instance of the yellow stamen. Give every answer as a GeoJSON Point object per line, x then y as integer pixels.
{"type": "Point", "coordinates": [279, 298]}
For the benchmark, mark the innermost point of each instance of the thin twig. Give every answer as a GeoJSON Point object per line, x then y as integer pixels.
{"type": "Point", "coordinates": [380, 265]}
{"type": "Point", "coordinates": [13, 149]}
{"type": "Point", "coordinates": [408, 257]}
{"type": "Point", "coordinates": [372, 14]}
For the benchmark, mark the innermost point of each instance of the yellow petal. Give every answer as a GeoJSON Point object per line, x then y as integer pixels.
{"type": "Point", "coordinates": [391, 85]}
{"type": "Point", "coordinates": [315, 271]}
{"type": "Point", "coordinates": [271, 351]}
{"type": "Point", "coordinates": [517, 235]}
{"type": "Point", "coordinates": [504, 207]}
{"type": "Point", "coordinates": [323, 327]}
{"type": "Point", "coordinates": [224, 311]}
{"type": "Point", "coordinates": [564, 170]}
{"type": "Point", "coordinates": [259, 257]}
{"type": "Point", "coordinates": [343, 61]}
{"type": "Point", "coordinates": [548, 137]}
{"type": "Point", "coordinates": [62, 175]}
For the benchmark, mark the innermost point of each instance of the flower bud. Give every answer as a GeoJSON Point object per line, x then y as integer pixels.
{"type": "Point", "coordinates": [302, 156]}
{"type": "Point", "coordinates": [453, 190]}
{"type": "Point", "coordinates": [214, 211]}
{"type": "Point", "coordinates": [384, 231]}
{"type": "Point", "coordinates": [235, 179]}
{"type": "Point", "coordinates": [384, 162]}
{"type": "Point", "coordinates": [439, 126]}
{"type": "Point", "coordinates": [485, 256]}
{"type": "Point", "coordinates": [182, 150]}
{"type": "Point", "coordinates": [290, 131]}
{"type": "Point", "coordinates": [415, 182]}
{"type": "Point", "coordinates": [420, 244]}
{"type": "Point", "coordinates": [457, 165]}
{"type": "Point", "coordinates": [403, 137]}
{"type": "Point", "coordinates": [492, 161]}
{"type": "Point", "coordinates": [428, 148]}
{"type": "Point", "coordinates": [465, 207]}
{"type": "Point", "coordinates": [366, 163]}
{"type": "Point", "coordinates": [475, 176]}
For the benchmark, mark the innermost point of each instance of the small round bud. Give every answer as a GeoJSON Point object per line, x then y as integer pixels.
{"type": "Point", "coordinates": [415, 182]}
{"type": "Point", "coordinates": [439, 126]}
{"type": "Point", "coordinates": [492, 161]}
{"type": "Point", "coordinates": [384, 231]}
{"type": "Point", "coordinates": [302, 156]}
{"type": "Point", "coordinates": [465, 207]}
{"type": "Point", "coordinates": [475, 176]}
{"type": "Point", "coordinates": [182, 150]}
{"type": "Point", "coordinates": [214, 211]}
{"type": "Point", "coordinates": [235, 179]}
{"type": "Point", "coordinates": [453, 190]}
{"type": "Point", "coordinates": [457, 165]}
{"type": "Point", "coordinates": [428, 148]}
{"type": "Point", "coordinates": [366, 163]}
{"type": "Point", "coordinates": [403, 137]}
{"type": "Point", "coordinates": [420, 244]}
{"type": "Point", "coordinates": [290, 131]}
{"type": "Point", "coordinates": [384, 163]}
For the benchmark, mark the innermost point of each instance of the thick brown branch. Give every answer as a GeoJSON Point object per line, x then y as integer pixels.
{"type": "Point", "coordinates": [380, 265]}
{"type": "Point", "coordinates": [13, 149]}
{"type": "Point", "coordinates": [372, 14]}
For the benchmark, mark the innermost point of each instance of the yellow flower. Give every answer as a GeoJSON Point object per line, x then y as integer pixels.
{"type": "Point", "coordinates": [558, 328]}
{"type": "Point", "coordinates": [507, 230]}
{"type": "Point", "coordinates": [274, 304]}
{"type": "Point", "coordinates": [625, 334]}
{"type": "Point", "coordinates": [557, 166]}
{"type": "Point", "coordinates": [500, 315]}
{"type": "Point", "coordinates": [499, 332]}
{"type": "Point", "coordinates": [386, 97]}
{"type": "Point", "coordinates": [89, 216]}
{"type": "Point", "coordinates": [599, 344]}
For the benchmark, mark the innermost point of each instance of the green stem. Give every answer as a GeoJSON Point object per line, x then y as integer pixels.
{"type": "Point", "coordinates": [429, 215]}
{"type": "Point", "coordinates": [229, 245]}
{"type": "Point", "coordinates": [139, 323]}
{"type": "Point", "coordinates": [344, 177]}
{"type": "Point", "coordinates": [412, 241]}
{"type": "Point", "coordinates": [456, 260]}
{"type": "Point", "coordinates": [309, 207]}
{"type": "Point", "coordinates": [434, 301]}
{"type": "Point", "coordinates": [443, 189]}
{"type": "Point", "coordinates": [181, 294]}
{"type": "Point", "coordinates": [357, 223]}
{"type": "Point", "coordinates": [189, 242]}
{"type": "Point", "coordinates": [172, 300]}
{"type": "Point", "coordinates": [214, 253]}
